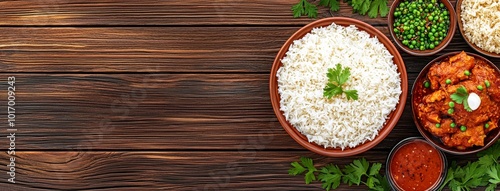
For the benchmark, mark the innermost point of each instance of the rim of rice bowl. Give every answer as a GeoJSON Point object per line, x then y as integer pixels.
{"type": "Point", "coordinates": [337, 122]}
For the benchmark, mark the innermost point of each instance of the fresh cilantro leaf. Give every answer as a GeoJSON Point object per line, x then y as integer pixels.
{"type": "Point", "coordinates": [460, 96]}
{"type": "Point", "coordinates": [474, 175]}
{"type": "Point", "coordinates": [384, 9]}
{"type": "Point", "coordinates": [491, 187]}
{"type": "Point", "coordinates": [305, 8]}
{"type": "Point", "coordinates": [487, 160]}
{"type": "Point", "coordinates": [334, 4]}
{"type": "Point", "coordinates": [296, 169]}
{"type": "Point", "coordinates": [308, 163]}
{"type": "Point", "coordinates": [494, 177]}
{"type": "Point", "coordinates": [454, 185]}
{"type": "Point", "coordinates": [365, 7]}
{"type": "Point", "coordinates": [361, 6]}
{"type": "Point", "coordinates": [356, 5]}
{"type": "Point", "coordinates": [344, 74]}
{"type": "Point", "coordinates": [336, 78]}
{"type": "Point", "coordinates": [462, 90]}
{"type": "Point", "coordinates": [299, 168]}
{"type": "Point", "coordinates": [309, 177]}
{"type": "Point", "coordinates": [457, 98]}
{"type": "Point", "coordinates": [351, 94]}
{"type": "Point", "coordinates": [467, 177]}
{"type": "Point", "coordinates": [374, 170]}
{"type": "Point", "coordinates": [450, 175]}
{"type": "Point", "coordinates": [330, 168]}
{"type": "Point", "coordinates": [459, 172]}
{"type": "Point", "coordinates": [362, 165]}
{"type": "Point", "coordinates": [494, 174]}
{"type": "Point", "coordinates": [376, 181]}
{"type": "Point", "coordinates": [311, 10]}
{"type": "Point", "coordinates": [378, 6]}
{"type": "Point", "coordinates": [298, 9]}
{"type": "Point", "coordinates": [384, 184]}
{"type": "Point", "coordinates": [330, 176]}
{"type": "Point", "coordinates": [333, 74]}
{"type": "Point", "coordinates": [355, 171]}
{"type": "Point", "coordinates": [332, 90]}
{"type": "Point", "coordinates": [370, 182]}
{"type": "Point", "coordinates": [330, 181]}
{"type": "Point", "coordinates": [466, 105]}
{"type": "Point", "coordinates": [338, 75]}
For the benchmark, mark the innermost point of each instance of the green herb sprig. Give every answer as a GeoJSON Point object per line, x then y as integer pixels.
{"type": "Point", "coordinates": [460, 96]}
{"type": "Point", "coordinates": [483, 172]}
{"type": "Point", "coordinates": [305, 8]}
{"type": "Point", "coordinates": [371, 7]}
{"type": "Point", "coordinates": [336, 78]}
{"type": "Point", "coordinates": [333, 4]}
{"type": "Point", "coordinates": [331, 176]}
{"type": "Point", "coordinates": [299, 168]}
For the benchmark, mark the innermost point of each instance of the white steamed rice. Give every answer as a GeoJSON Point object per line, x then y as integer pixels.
{"type": "Point", "coordinates": [481, 23]}
{"type": "Point", "coordinates": [338, 122]}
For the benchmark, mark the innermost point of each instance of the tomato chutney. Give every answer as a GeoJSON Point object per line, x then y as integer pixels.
{"type": "Point", "coordinates": [414, 164]}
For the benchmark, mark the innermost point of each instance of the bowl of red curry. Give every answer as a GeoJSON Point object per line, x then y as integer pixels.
{"type": "Point", "coordinates": [415, 164]}
{"type": "Point", "coordinates": [456, 103]}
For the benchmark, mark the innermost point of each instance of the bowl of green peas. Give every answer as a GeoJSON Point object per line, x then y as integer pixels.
{"type": "Point", "coordinates": [422, 27]}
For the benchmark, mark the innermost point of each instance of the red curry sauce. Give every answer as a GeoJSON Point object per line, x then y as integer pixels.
{"type": "Point", "coordinates": [416, 166]}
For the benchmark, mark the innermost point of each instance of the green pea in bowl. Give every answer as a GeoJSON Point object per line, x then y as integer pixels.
{"type": "Point", "coordinates": [422, 27]}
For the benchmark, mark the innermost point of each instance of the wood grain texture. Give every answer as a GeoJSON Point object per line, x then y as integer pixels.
{"type": "Point", "coordinates": [186, 49]}
{"type": "Point", "coordinates": [158, 95]}
{"type": "Point", "coordinates": [246, 170]}
{"type": "Point", "coordinates": [152, 111]}
{"type": "Point", "coordinates": [156, 49]}
{"type": "Point", "coordinates": [152, 12]}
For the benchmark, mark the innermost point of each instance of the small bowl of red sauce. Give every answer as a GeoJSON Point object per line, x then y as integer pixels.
{"type": "Point", "coordinates": [415, 164]}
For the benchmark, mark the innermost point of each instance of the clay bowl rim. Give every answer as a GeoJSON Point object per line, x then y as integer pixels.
{"type": "Point", "coordinates": [393, 116]}
{"type": "Point", "coordinates": [441, 46]}
{"type": "Point", "coordinates": [492, 137]}
{"type": "Point", "coordinates": [458, 11]}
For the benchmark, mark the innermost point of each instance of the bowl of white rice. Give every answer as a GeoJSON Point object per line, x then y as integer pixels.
{"type": "Point", "coordinates": [312, 65]}
{"type": "Point", "coordinates": [479, 24]}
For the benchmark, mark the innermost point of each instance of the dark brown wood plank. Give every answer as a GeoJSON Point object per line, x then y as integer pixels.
{"type": "Point", "coordinates": [170, 49]}
{"type": "Point", "coordinates": [152, 12]}
{"type": "Point", "coordinates": [152, 111]}
{"type": "Point", "coordinates": [248, 170]}
{"type": "Point", "coordinates": [186, 49]}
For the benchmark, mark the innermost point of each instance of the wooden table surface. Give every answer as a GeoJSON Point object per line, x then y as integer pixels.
{"type": "Point", "coordinates": [158, 95]}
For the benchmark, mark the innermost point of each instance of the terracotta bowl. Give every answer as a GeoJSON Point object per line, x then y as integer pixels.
{"type": "Point", "coordinates": [461, 29]}
{"type": "Point", "coordinates": [393, 117]}
{"type": "Point", "coordinates": [491, 137]}
{"type": "Point", "coordinates": [439, 47]}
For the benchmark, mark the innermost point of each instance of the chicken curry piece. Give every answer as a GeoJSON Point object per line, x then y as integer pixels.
{"type": "Point", "coordinates": [442, 107]}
